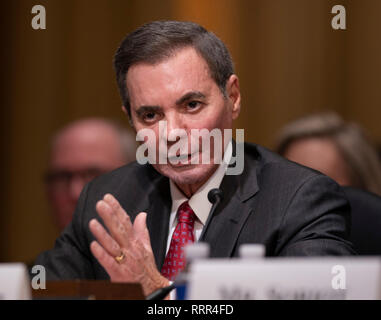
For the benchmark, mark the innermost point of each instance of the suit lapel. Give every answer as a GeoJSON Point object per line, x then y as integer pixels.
{"type": "Point", "coordinates": [158, 213]}
{"type": "Point", "coordinates": [231, 215]}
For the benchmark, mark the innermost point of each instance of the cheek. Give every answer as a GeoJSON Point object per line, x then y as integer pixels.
{"type": "Point", "coordinates": [218, 117]}
{"type": "Point", "coordinates": [147, 135]}
{"type": "Point", "coordinates": [211, 121]}
{"type": "Point", "coordinates": [219, 122]}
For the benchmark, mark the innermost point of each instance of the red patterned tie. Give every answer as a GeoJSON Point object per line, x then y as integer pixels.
{"type": "Point", "coordinates": [183, 234]}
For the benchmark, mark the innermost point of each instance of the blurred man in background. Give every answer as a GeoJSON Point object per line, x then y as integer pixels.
{"type": "Point", "coordinates": [79, 152]}
{"type": "Point", "coordinates": [341, 150]}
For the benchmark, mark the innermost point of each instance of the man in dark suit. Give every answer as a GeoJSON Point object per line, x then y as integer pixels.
{"type": "Point", "coordinates": [180, 73]}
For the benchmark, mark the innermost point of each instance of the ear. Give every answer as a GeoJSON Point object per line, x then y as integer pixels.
{"type": "Point", "coordinates": [234, 95]}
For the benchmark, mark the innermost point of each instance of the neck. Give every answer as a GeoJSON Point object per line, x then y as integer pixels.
{"type": "Point", "coordinates": [190, 189]}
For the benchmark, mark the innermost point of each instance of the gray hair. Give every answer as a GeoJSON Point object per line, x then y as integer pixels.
{"type": "Point", "coordinates": [158, 40]}
{"type": "Point", "coordinates": [350, 139]}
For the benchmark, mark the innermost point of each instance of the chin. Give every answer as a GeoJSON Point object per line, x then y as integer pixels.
{"type": "Point", "coordinates": [187, 175]}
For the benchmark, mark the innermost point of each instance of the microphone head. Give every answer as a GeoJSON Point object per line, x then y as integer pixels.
{"type": "Point", "coordinates": [215, 194]}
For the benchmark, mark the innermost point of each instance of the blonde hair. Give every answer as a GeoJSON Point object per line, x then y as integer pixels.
{"type": "Point", "coordinates": [350, 139]}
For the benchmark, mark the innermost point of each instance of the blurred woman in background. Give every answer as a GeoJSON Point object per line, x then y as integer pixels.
{"type": "Point", "coordinates": [341, 150]}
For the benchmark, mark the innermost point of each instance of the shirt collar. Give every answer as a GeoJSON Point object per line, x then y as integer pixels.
{"type": "Point", "coordinates": [199, 201]}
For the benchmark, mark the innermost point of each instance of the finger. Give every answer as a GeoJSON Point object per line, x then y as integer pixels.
{"type": "Point", "coordinates": [140, 229]}
{"type": "Point", "coordinates": [104, 239]}
{"type": "Point", "coordinates": [116, 229]}
{"type": "Point", "coordinates": [120, 213]}
{"type": "Point", "coordinates": [105, 260]}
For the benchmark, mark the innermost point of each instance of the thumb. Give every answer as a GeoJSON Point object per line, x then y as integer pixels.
{"type": "Point", "coordinates": [140, 228]}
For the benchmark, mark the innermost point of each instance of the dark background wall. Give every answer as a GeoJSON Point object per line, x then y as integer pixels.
{"type": "Point", "coordinates": [289, 60]}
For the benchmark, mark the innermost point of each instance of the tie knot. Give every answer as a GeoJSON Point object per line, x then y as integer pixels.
{"type": "Point", "coordinates": [185, 213]}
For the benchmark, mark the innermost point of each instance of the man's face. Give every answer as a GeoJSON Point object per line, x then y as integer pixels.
{"type": "Point", "coordinates": [181, 91]}
{"type": "Point", "coordinates": [79, 154]}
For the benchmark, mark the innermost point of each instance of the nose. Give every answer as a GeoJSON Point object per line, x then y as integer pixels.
{"type": "Point", "coordinates": [175, 128]}
{"type": "Point", "coordinates": [75, 188]}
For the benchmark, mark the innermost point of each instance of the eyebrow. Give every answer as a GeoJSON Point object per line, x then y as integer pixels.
{"type": "Point", "coordinates": [189, 96]}
{"type": "Point", "coordinates": [147, 109]}
{"type": "Point", "coordinates": [186, 97]}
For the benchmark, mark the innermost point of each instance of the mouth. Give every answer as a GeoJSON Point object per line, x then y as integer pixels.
{"type": "Point", "coordinates": [181, 160]}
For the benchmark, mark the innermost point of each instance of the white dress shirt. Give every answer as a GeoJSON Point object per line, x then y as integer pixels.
{"type": "Point", "coordinates": [198, 202]}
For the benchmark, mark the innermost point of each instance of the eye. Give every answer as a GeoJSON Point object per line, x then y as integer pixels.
{"type": "Point", "coordinates": [149, 116]}
{"type": "Point", "coordinates": [193, 105]}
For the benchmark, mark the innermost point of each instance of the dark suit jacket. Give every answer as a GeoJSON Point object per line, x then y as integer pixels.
{"type": "Point", "coordinates": [366, 221]}
{"type": "Point", "coordinates": [292, 210]}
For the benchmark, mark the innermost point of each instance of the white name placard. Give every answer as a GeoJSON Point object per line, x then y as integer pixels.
{"type": "Point", "coordinates": [14, 282]}
{"type": "Point", "coordinates": [286, 279]}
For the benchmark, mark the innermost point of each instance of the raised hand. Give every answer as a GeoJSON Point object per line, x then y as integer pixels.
{"type": "Point", "coordinates": [125, 251]}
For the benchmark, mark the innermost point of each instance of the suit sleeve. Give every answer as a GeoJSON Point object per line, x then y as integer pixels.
{"type": "Point", "coordinates": [71, 257]}
{"type": "Point", "coordinates": [317, 221]}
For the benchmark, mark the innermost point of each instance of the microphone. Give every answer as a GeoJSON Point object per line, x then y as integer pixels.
{"type": "Point", "coordinates": [161, 293]}
{"type": "Point", "coordinates": [215, 196]}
